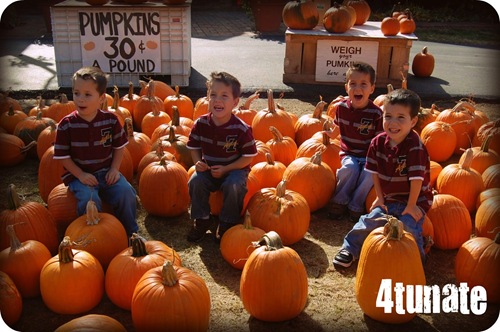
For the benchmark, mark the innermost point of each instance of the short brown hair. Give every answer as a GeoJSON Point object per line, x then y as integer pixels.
{"type": "Point", "coordinates": [362, 67]}
{"type": "Point", "coordinates": [95, 74]}
{"type": "Point", "coordinates": [406, 98]}
{"type": "Point", "coordinates": [227, 79]}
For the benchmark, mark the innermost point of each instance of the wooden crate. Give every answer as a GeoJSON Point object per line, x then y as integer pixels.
{"type": "Point", "coordinates": [301, 53]}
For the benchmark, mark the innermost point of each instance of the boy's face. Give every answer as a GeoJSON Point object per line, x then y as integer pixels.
{"type": "Point", "coordinates": [87, 98]}
{"type": "Point", "coordinates": [221, 102]}
{"type": "Point", "coordinates": [397, 122]}
{"type": "Point", "coordinates": [359, 89]}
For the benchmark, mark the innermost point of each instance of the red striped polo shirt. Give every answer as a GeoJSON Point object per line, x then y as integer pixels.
{"type": "Point", "coordinates": [222, 145]}
{"type": "Point", "coordinates": [357, 127]}
{"type": "Point", "coordinates": [397, 166]}
{"type": "Point", "coordinates": [89, 144]}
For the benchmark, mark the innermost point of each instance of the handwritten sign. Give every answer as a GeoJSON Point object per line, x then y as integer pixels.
{"type": "Point", "coordinates": [333, 57]}
{"type": "Point", "coordinates": [121, 41]}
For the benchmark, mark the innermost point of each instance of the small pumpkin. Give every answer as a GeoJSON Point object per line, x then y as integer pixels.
{"type": "Point", "coordinates": [130, 99]}
{"type": "Point", "coordinates": [9, 119]}
{"type": "Point", "coordinates": [284, 147]}
{"type": "Point", "coordinates": [407, 24]}
{"type": "Point", "coordinates": [423, 63]}
{"type": "Point", "coordinates": [300, 15]}
{"type": "Point", "coordinates": [460, 118]}
{"type": "Point", "coordinates": [439, 139]}
{"type": "Point", "coordinates": [282, 297]}
{"type": "Point", "coordinates": [477, 263]}
{"type": "Point", "coordinates": [269, 173]}
{"type": "Point", "coordinates": [11, 302]}
{"type": "Point", "coordinates": [487, 219]}
{"type": "Point", "coordinates": [362, 9]}
{"type": "Point", "coordinates": [337, 19]}
{"type": "Point", "coordinates": [183, 103]}
{"type": "Point", "coordinates": [491, 176]}
{"type": "Point", "coordinates": [147, 103]}
{"type": "Point", "coordinates": [309, 124]}
{"type": "Point", "coordinates": [92, 322]}
{"type": "Point", "coordinates": [246, 112]}
{"type": "Point", "coordinates": [389, 26]}
{"type": "Point", "coordinates": [482, 157]}
{"type": "Point", "coordinates": [161, 89]}
{"type": "Point", "coordinates": [60, 108]}
{"type": "Point", "coordinates": [14, 151]}
{"type": "Point", "coordinates": [71, 272]}
{"type": "Point", "coordinates": [180, 297]}
{"type": "Point", "coordinates": [46, 139]}
{"type": "Point", "coordinates": [236, 243]}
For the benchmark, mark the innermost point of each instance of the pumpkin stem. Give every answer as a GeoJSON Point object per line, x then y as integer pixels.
{"type": "Point", "coordinates": [92, 213]}
{"type": "Point", "coordinates": [175, 116]}
{"type": "Point", "coordinates": [116, 98]}
{"type": "Point", "coordinates": [271, 106]}
{"type": "Point", "coordinates": [15, 244]}
{"type": "Point", "coordinates": [486, 144]}
{"type": "Point", "coordinates": [130, 90]}
{"type": "Point", "coordinates": [138, 245]}
{"type": "Point", "coordinates": [129, 127]}
{"type": "Point", "coordinates": [13, 201]}
{"type": "Point", "coordinates": [65, 250]}
{"type": "Point", "coordinates": [464, 106]}
{"type": "Point", "coordinates": [318, 111]}
{"type": "Point", "coordinates": [393, 229]}
{"type": "Point", "coordinates": [250, 99]}
{"type": "Point", "coordinates": [247, 223]}
{"type": "Point", "coordinates": [269, 159]}
{"type": "Point", "coordinates": [469, 154]}
{"type": "Point", "coordinates": [281, 189]}
{"type": "Point", "coordinates": [271, 240]}
{"type": "Point", "coordinates": [168, 274]}
{"type": "Point", "coordinates": [278, 137]}
{"type": "Point", "coordinates": [316, 158]}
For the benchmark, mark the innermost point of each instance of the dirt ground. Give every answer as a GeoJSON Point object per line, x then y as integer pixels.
{"type": "Point", "coordinates": [331, 302]}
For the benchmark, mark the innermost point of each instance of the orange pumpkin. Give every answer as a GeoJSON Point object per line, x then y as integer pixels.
{"type": "Point", "coordinates": [128, 266]}
{"type": "Point", "coordinates": [177, 145]}
{"type": "Point", "coordinates": [163, 189]}
{"type": "Point", "coordinates": [121, 112]}
{"type": "Point", "coordinates": [461, 181]}
{"type": "Point", "coordinates": [391, 253]}
{"type": "Point", "coordinates": [60, 108]}
{"type": "Point", "coordinates": [246, 112]}
{"type": "Point", "coordinates": [272, 116]}
{"type": "Point", "coordinates": [35, 222]}
{"type": "Point", "coordinates": [300, 15]}
{"type": "Point", "coordinates": [175, 122]}
{"type": "Point", "coordinates": [138, 145]}
{"type": "Point", "coordinates": [6, 103]}
{"type": "Point", "coordinates": [491, 177]}
{"type": "Point", "coordinates": [152, 156]}
{"type": "Point", "coordinates": [451, 220]}
{"type": "Point", "coordinates": [130, 99]}
{"type": "Point", "coordinates": [337, 19]}
{"type": "Point", "coordinates": [427, 234]}
{"type": "Point", "coordinates": [183, 103]}
{"type": "Point", "coordinates": [180, 297]}
{"type": "Point", "coordinates": [236, 243]}
{"type": "Point", "coordinates": [50, 171]}
{"type": "Point", "coordinates": [262, 150]}
{"type": "Point", "coordinates": [269, 173]}
{"type": "Point", "coordinates": [30, 128]}
{"type": "Point", "coordinates": [284, 211]}
{"type": "Point", "coordinates": [284, 147]}
{"type": "Point", "coordinates": [282, 297]}
{"type": "Point", "coordinates": [94, 322]}
{"type": "Point", "coordinates": [435, 169]}
{"type": "Point", "coordinates": [101, 234]}
{"type": "Point", "coordinates": [9, 119]}
{"type": "Point", "coordinates": [39, 107]}
{"type": "Point", "coordinates": [161, 89]}
{"type": "Point", "coordinates": [46, 139]}
{"type": "Point", "coordinates": [423, 63]}
{"type": "Point", "coordinates": [490, 128]}
{"type": "Point", "coordinates": [11, 302]}
{"type": "Point", "coordinates": [312, 178]}
{"type": "Point", "coordinates": [14, 151]}
{"type": "Point", "coordinates": [309, 124]}
{"type": "Point", "coordinates": [439, 139]}
{"type": "Point", "coordinates": [487, 193]}
{"type": "Point", "coordinates": [460, 118]}
{"type": "Point", "coordinates": [389, 26]}
{"type": "Point", "coordinates": [482, 157]}
{"type": "Point", "coordinates": [330, 150]}
{"type": "Point", "coordinates": [147, 103]}
{"type": "Point", "coordinates": [425, 116]}
{"type": "Point", "coordinates": [477, 263]}
{"type": "Point", "coordinates": [407, 24]}
{"type": "Point", "coordinates": [487, 219]}
{"type": "Point", "coordinates": [379, 100]}
{"type": "Point", "coordinates": [23, 262]}
{"type": "Point", "coordinates": [74, 272]}
{"type": "Point", "coordinates": [200, 107]}
{"type": "Point", "coordinates": [362, 9]}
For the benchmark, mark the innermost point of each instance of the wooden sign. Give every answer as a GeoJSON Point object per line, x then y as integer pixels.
{"type": "Point", "coordinates": [333, 57]}
{"type": "Point", "coordinates": [121, 41]}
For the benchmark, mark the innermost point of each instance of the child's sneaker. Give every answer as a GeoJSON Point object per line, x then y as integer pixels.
{"type": "Point", "coordinates": [337, 211]}
{"type": "Point", "coordinates": [343, 258]}
{"type": "Point", "coordinates": [199, 229]}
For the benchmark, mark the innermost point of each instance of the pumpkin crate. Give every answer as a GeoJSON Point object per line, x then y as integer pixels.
{"type": "Point", "coordinates": [319, 57]}
{"type": "Point", "coordinates": [127, 42]}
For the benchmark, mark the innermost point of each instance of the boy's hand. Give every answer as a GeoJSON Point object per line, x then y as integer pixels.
{"type": "Point", "coordinates": [378, 202]}
{"type": "Point", "coordinates": [112, 176]}
{"type": "Point", "coordinates": [414, 211]}
{"type": "Point", "coordinates": [88, 179]}
{"type": "Point", "coordinates": [201, 166]}
{"type": "Point", "coordinates": [217, 171]}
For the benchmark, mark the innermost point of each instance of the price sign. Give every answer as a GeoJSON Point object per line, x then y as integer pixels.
{"type": "Point", "coordinates": [334, 57]}
{"type": "Point", "coordinates": [121, 41]}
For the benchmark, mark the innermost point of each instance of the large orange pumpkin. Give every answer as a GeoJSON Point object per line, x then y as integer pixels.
{"type": "Point", "coordinates": [177, 145]}
{"type": "Point", "coordinates": [282, 297]}
{"type": "Point", "coordinates": [309, 124]}
{"type": "Point", "coordinates": [269, 173]}
{"type": "Point", "coordinates": [451, 220]}
{"type": "Point", "coordinates": [487, 219]}
{"type": "Point", "coordinates": [128, 266]}
{"type": "Point", "coordinates": [183, 103]}
{"type": "Point", "coordinates": [60, 108]}
{"type": "Point", "coordinates": [30, 128]}
{"type": "Point", "coordinates": [491, 176]}
{"type": "Point", "coordinates": [23, 262]}
{"type": "Point", "coordinates": [362, 9]}
{"type": "Point", "coordinates": [426, 116]}
{"type": "Point", "coordinates": [482, 157]}
{"type": "Point", "coordinates": [477, 263]}
{"type": "Point", "coordinates": [337, 19]}
{"type": "Point", "coordinates": [439, 139]}
{"type": "Point", "coordinates": [312, 178]}
{"type": "Point", "coordinates": [161, 89]}
{"type": "Point", "coordinates": [50, 171]}
{"type": "Point", "coordinates": [151, 156]}
{"type": "Point", "coordinates": [130, 99]}
{"type": "Point", "coordinates": [460, 118]}
{"type": "Point", "coordinates": [14, 151]}
{"type": "Point", "coordinates": [284, 211]}
{"type": "Point", "coordinates": [300, 15]}
{"type": "Point", "coordinates": [180, 297]}
{"type": "Point", "coordinates": [163, 189]}
{"type": "Point", "coordinates": [284, 147]}
{"type": "Point", "coordinates": [183, 128]}
{"type": "Point", "coordinates": [147, 103]}
{"type": "Point", "coordinates": [330, 150]}
{"type": "Point", "coordinates": [391, 253]}
{"type": "Point", "coordinates": [46, 139]}
{"type": "Point", "coordinates": [461, 181]}
{"type": "Point", "coordinates": [100, 233]}
{"type": "Point", "coordinates": [236, 243]}
{"type": "Point", "coordinates": [33, 220]}
{"type": "Point", "coordinates": [11, 302]}
{"type": "Point", "coordinates": [9, 119]}
{"type": "Point", "coordinates": [75, 272]}
{"type": "Point", "coordinates": [407, 24]}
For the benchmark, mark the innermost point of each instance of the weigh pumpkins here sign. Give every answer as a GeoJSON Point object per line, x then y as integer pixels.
{"type": "Point", "coordinates": [121, 41]}
{"type": "Point", "coordinates": [333, 57]}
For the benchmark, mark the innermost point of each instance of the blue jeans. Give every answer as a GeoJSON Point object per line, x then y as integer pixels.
{"type": "Point", "coordinates": [353, 184]}
{"type": "Point", "coordinates": [233, 186]}
{"type": "Point", "coordinates": [353, 241]}
{"type": "Point", "coordinates": [121, 197]}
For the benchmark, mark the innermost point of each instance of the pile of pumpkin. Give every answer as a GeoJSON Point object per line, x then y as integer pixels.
{"type": "Point", "coordinates": [340, 17]}
{"type": "Point", "coordinates": [292, 176]}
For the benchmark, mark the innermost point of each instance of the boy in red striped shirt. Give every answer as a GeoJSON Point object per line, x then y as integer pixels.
{"type": "Point", "coordinates": [400, 167]}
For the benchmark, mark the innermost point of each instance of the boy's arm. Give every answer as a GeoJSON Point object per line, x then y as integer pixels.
{"type": "Point", "coordinates": [84, 177]}
{"type": "Point", "coordinates": [113, 174]}
{"type": "Point", "coordinates": [198, 162]}
{"type": "Point", "coordinates": [243, 161]}
{"type": "Point", "coordinates": [411, 206]}
{"type": "Point", "coordinates": [379, 200]}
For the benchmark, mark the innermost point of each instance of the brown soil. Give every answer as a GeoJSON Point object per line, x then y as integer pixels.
{"type": "Point", "coordinates": [331, 303]}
